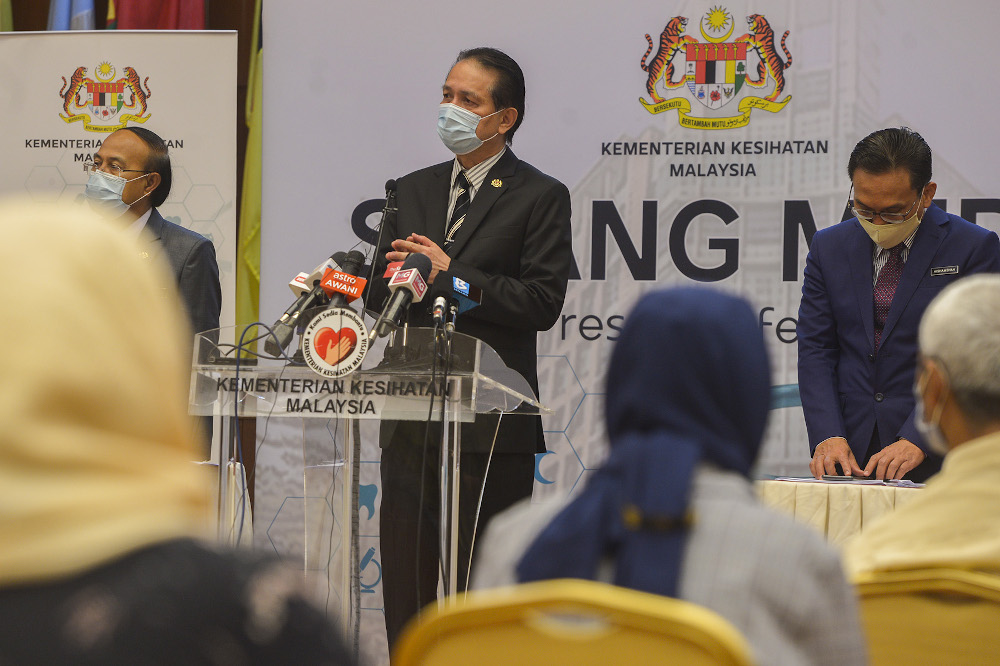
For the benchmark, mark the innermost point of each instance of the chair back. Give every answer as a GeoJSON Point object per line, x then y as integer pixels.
{"type": "Point", "coordinates": [931, 616]}
{"type": "Point", "coordinates": [566, 621]}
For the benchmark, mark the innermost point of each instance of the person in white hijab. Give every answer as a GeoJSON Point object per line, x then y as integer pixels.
{"type": "Point", "coordinates": [102, 510]}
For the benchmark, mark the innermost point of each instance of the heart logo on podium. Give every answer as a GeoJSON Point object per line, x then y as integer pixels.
{"type": "Point", "coordinates": [335, 342]}
{"type": "Point", "coordinates": [333, 346]}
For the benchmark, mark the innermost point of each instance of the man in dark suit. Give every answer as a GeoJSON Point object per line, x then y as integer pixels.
{"type": "Point", "coordinates": [503, 226]}
{"type": "Point", "coordinates": [129, 177]}
{"type": "Point", "coordinates": [867, 282]}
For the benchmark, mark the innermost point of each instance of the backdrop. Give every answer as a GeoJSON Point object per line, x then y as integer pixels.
{"type": "Point", "coordinates": [714, 174]}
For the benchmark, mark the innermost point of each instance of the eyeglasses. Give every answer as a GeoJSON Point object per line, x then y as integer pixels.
{"type": "Point", "coordinates": [113, 169]}
{"type": "Point", "coordinates": [889, 218]}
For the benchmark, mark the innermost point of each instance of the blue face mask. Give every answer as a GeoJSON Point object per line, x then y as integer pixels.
{"type": "Point", "coordinates": [104, 193]}
{"type": "Point", "coordinates": [929, 429]}
{"type": "Point", "coordinates": [457, 128]}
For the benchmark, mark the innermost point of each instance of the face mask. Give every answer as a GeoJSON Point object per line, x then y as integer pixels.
{"type": "Point", "coordinates": [930, 430]}
{"type": "Point", "coordinates": [891, 235]}
{"type": "Point", "coordinates": [104, 193]}
{"type": "Point", "coordinates": [457, 128]}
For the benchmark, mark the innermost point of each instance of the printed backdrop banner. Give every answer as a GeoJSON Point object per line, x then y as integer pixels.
{"type": "Point", "coordinates": [701, 141]}
{"type": "Point", "coordinates": [181, 85]}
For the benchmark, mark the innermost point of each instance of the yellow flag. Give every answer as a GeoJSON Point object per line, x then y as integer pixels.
{"type": "Point", "coordinates": [248, 247]}
{"type": "Point", "coordinates": [6, 17]}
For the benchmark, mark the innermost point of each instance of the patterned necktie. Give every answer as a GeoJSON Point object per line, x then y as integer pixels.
{"type": "Point", "coordinates": [885, 288]}
{"type": "Point", "coordinates": [461, 208]}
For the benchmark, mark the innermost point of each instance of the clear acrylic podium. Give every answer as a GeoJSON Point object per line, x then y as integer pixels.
{"type": "Point", "coordinates": [398, 384]}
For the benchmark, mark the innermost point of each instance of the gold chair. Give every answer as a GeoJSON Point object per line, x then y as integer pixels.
{"type": "Point", "coordinates": [575, 622]}
{"type": "Point", "coordinates": [931, 616]}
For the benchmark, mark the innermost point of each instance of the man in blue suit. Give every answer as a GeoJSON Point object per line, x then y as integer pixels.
{"type": "Point", "coordinates": [867, 282]}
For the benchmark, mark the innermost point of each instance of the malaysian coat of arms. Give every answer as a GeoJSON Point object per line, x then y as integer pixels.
{"type": "Point", "coordinates": [105, 97]}
{"type": "Point", "coordinates": [716, 71]}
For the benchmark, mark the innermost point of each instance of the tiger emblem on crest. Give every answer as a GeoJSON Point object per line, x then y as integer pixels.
{"type": "Point", "coordinates": [717, 70]}
{"type": "Point", "coordinates": [97, 101]}
{"type": "Point", "coordinates": [672, 41]}
{"type": "Point", "coordinates": [761, 37]}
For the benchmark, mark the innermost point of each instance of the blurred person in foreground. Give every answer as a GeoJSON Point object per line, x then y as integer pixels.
{"type": "Point", "coordinates": [101, 506]}
{"type": "Point", "coordinates": [673, 511]}
{"type": "Point", "coordinates": [955, 520]}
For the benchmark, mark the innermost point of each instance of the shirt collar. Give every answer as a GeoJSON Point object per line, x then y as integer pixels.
{"type": "Point", "coordinates": [136, 227]}
{"type": "Point", "coordinates": [477, 174]}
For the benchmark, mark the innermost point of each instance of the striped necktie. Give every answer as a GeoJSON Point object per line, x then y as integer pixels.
{"type": "Point", "coordinates": [461, 208]}
{"type": "Point", "coordinates": [885, 288]}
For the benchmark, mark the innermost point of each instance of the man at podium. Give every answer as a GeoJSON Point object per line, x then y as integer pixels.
{"type": "Point", "coordinates": [501, 225]}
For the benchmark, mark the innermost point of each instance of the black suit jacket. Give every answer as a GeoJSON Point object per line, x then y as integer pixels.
{"type": "Point", "coordinates": [192, 258]}
{"type": "Point", "coordinates": [515, 245]}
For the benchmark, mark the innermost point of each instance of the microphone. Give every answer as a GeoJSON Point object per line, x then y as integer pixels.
{"type": "Point", "coordinates": [465, 295]}
{"type": "Point", "coordinates": [344, 285]}
{"type": "Point", "coordinates": [300, 284]}
{"type": "Point", "coordinates": [408, 285]}
{"type": "Point", "coordinates": [310, 294]}
{"type": "Point", "coordinates": [389, 211]}
{"type": "Point", "coordinates": [459, 297]}
{"type": "Point", "coordinates": [440, 305]}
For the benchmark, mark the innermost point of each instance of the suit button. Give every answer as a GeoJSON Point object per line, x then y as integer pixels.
{"type": "Point", "coordinates": [879, 397]}
{"type": "Point", "coordinates": [871, 357]}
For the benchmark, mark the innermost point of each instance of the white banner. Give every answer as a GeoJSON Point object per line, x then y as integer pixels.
{"type": "Point", "coordinates": [715, 170]}
{"type": "Point", "coordinates": [180, 85]}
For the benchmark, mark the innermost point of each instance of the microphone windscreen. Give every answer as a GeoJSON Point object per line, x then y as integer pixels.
{"type": "Point", "coordinates": [353, 262]}
{"type": "Point", "coordinates": [419, 261]}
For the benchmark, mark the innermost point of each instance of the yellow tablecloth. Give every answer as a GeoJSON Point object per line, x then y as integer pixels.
{"type": "Point", "coordinates": [838, 510]}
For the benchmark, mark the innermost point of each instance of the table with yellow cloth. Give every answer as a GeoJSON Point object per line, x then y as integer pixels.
{"type": "Point", "coordinates": [838, 510]}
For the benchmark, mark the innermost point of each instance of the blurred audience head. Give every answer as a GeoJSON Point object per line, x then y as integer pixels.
{"type": "Point", "coordinates": [688, 385]}
{"type": "Point", "coordinates": [958, 376]}
{"type": "Point", "coordinates": [691, 361]}
{"type": "Point", "coordinates": [96, 446]}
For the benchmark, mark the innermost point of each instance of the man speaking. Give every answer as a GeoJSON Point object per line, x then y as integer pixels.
{"type": "Point", "coordinates": [867, 282]}
{"type": "Point", "coordinates": [501, 225]}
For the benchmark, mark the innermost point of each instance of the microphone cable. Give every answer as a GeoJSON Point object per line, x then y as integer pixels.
{"type": "Point", "coordinates": [423, 470]}
{"type": "Point", "coordinates": [479, 505]}
{"type": "Point", "coordinates": [446, 353]}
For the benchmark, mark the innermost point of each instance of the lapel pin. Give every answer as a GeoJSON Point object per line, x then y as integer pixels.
{"type": "Point", "coordinates": [496, 182]}
{"type": "Point", "coordinates": [144, 254]}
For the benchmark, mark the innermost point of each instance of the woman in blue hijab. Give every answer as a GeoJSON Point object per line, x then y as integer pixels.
{"type": "Point", "coordinates": [688, 384]}
{"type": "Point", "coordinates": [672, 510]}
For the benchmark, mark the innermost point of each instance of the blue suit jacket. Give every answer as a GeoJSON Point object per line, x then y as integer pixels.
{"type": "Point", "coordinates": [846, 387]}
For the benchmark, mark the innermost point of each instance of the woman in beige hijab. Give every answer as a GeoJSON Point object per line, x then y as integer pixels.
{"type": "Point", "coordinates": [101, 508]}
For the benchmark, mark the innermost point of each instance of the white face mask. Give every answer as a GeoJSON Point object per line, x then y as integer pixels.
{"type": "Point", "coordinates": [104, 193]}
{"type": "Point", "coordinates": [930, 430]}
{"type": "Point", "coordinates": [457, 128]}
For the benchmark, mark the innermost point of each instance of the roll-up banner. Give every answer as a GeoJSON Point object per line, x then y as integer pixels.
{"type": "Point", "coordinates": [65, 92]}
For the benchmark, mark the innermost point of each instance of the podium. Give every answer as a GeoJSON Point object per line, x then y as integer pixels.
{"type": "Point", "coordinates": [404, 382]}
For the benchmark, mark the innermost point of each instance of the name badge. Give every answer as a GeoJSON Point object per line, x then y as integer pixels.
{"type": "Point", "coordinates": [944, 270]}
